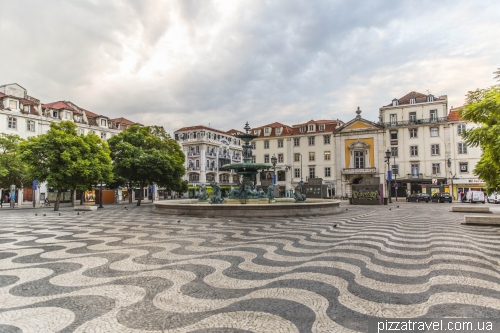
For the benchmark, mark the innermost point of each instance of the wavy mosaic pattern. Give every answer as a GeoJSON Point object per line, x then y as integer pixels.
{"type": "Point", "coordinates": [119, 270]}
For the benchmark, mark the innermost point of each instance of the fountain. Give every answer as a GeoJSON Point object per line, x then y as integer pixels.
{"type": "Point", "coordinates": [245, 200]}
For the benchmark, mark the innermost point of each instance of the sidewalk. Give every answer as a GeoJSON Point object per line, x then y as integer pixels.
{"type": "Point", "coordinates": [6, 206]}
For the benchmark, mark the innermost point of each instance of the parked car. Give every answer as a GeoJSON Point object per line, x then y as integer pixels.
{"type": "Point", "coordinates": [417, 197]}
{"type": "Point", "coordinates": [475, 196]}
{"type": "Point", "coordinates": [441, 197]}
{"type": "Point", "coordinates": [493, 197]}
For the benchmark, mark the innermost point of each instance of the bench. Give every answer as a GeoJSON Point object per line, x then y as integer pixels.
{"type": "Point", "coordinates": [482, 220]}
{"type": "Point", "coordinates": [471, 209]}
{"type": "Point", "coordinates": [85, 207]}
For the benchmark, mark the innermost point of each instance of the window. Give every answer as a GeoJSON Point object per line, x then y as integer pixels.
{"type": "Point", "coordinates": [267, 130]}
{"type": "Point", "coordinates": [103, 122]}
{"type": "Point", "coordinates": [460, 128]}
{"type": "Point", "coordinates": [413, 132]}
{"type": "Point", "coordinates": [394, 151]}
{"type": "Point", "coordinates": [434, 149]}
{"type": "Point", "coordinates": [266, 144]}
{"type": "Point", "coordinates": [433, 115]}
{"type": "Point", "coordinates": [430, 98]}
{"type": "Point", "coordinates": [327, 156]}
{"type": "Point", "coordinates": [434, 131]}
{"type": "Point", "coordinates": [67, 115]}
{"type": "Point", "coordinates": [464, 167]}
{"type": "Point", "coordinates": [81, 131]}
{"type": "Point", "coordinates": [312, 173]}
{"type": "Point", "coordinates": [435, 169]}
{"type": "Point", "coordinates": [462, 148]}
{"type": "Point", "coordinates": [256, 132]}
{"type": "Point", "coordinates": [311, 141]}
{"type": "Point", "coordinates": [326, 140]}
{"type": "Point", "coordinates": [278, 130]}
{"type": "Point", "coordinates": [414, 170]}
{"type": "Point", "coordinates": [12, 123]}
{"type": "Point", "coordinates": [395, 169]}
{"type": "Point", "coordinates": [394, 102]}
{"type": "Point", "coordinates": [311, 156]}
{"type": "Point", "coordinates": [296, 173]}
{"type": "Point", "coordinates": [394, 135]}
{"type": "Point", "coordinates": [117, 126]}
{"type": "Point", "coordinates": [359, 159]}
{"type": "Point", "coordinates": [296, 142]}
{"type": "Point", "coordinates": [393, 119]}
{"type": "Point", "coordinates": [412, 100]}
{"type": "Point", "coordinates": [280, 158]}
{"type": "Point", "coordinates": [30, 126]}
{"type": "Point", "coordinates": [12, 104]}
{"type": "Point", "coordinates": [311, 128]}
{"type": "Point", "coordinates": [296, 157]}
{"type": "Point", "coordinates": [266, 158]}
{"type": "Point", "coordinates": [321, 127]}
{"type": "Point", "coordinates": [103, 135]}
{"type": "Point", "coordinates": [413, 150]}
{"type": "Point", "coordinates": [327, 172]}
{"type": "Point", "coordinates": [194, 177]}
{"type": "Point", "coordinates": [253, 159]}
{"type": "Point", "coordinates": [413, 118]}
{"type": "Point", "coordinates": [280, 143]}
{"type": "Point", "coordinates": [253, 145]}
{"type": "Point", "coordinates": [302, 129]}
{"type": "Point", "coordinates": [55, 114]}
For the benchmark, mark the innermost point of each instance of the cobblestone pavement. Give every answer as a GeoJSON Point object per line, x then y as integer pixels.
{"type": "Point", "coordinates": [131, 270]}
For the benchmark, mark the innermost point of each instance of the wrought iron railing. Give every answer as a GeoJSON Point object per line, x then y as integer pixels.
{"type": "Point", "coordinates": [414, 122]}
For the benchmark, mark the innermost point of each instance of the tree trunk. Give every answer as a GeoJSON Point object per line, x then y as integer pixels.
{"type": "Point", "coordinates": [130, 189]}
{"type": "Point", "coordinates": [58, 199]}
{"type": "Point", "coordinates": [141, 193]}
{"type": "Point", "coordinates": [82, 193]}
{"type": "Point", "coordinates": [73, 192]}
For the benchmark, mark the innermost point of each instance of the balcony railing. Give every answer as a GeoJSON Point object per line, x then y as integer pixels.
{"type": "Point", "coordinates": [193, 153]}
{"type": "Point", "coordinates": [357, 171]}
{"type": "Point", "coordinates": [211, 154]}
{"type": "Point", "coordinates": [192, 168]}
{"type": "Point", "coordinates": [414, 122]}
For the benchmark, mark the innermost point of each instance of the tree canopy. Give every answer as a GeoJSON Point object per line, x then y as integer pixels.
{"type": "Point", "coordinates": [483, 108]}
{"type": "Point", "coordinates": [12, 169]}
{"type": "Point", "coordinates": [147, 155]}
{"type": "Point", "coordinates": [66, 160]}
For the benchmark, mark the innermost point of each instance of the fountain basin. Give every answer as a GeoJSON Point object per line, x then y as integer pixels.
{"type": "Point", "coordinates": [281, 207]}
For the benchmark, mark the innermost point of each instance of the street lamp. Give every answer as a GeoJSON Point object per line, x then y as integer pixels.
{"type": "Point", "coordinates": [100, 197]}
{"type": "Point", "coordinates": [388, 160]}
{"type": "Point", "coordinates": [274, 160]}
{"type": "Point", "coordinates": [395, 183]}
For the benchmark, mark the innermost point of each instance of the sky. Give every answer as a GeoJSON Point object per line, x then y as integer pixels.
{"type": "Point", "coordinates": [222, 63]}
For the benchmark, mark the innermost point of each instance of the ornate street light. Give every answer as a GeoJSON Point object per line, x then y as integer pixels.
{"type": "Point", "coordinates": [388, 160]}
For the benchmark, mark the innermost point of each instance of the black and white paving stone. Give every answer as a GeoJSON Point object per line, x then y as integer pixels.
{"type": "Point", "coordinates": [117, 270]}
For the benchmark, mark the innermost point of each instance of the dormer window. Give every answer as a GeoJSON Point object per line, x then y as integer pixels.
{"type": "Point", "coordinates": [311, 128]}
{"type": "Point", "coordinates": [412, 101]}
{"type": "Point", "coordinates": [104, 122]}
{"type": "Point", "coordinates": [278, 130]}
{"type": "Point", "coordinates": [302, 129]}
{"type": "Point", "coordinates": [67, 115]}
{"type": "Point", "coordinates": [256, 132]}
{"type": "Point", "coordinates": [55, 114]}
{"type": "Point", "coordinates": [117, 126]}
{"type": "Point", "coordinates": [430, 98]}
{"type": "Point", "coordinates": [267, 130]}
{"type": "Point", "coordinates": [13, 104]}
{"type": "Point", "coordinates": [394, 102]}
{"type": "Point", "coordinates": [321, 127]}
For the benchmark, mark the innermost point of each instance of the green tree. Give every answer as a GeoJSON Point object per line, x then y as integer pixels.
{"type": "Point", "coordinates": [12, 169]}
{"type": "Point", "coordinates": [147, 155]}
{"type": "Point", "coordinates": [483, 108]}
{"type": "Point", "coordinates": [66, 160]}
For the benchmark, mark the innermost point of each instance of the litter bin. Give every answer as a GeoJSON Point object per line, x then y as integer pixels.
{"type": "Point", "coordinates": [385, 201]}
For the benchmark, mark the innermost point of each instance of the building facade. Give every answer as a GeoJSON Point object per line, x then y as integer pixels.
{"type": "Point", "coordinates": [26, 116]}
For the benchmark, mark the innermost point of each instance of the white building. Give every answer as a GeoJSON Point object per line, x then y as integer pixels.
{"type": "Point", "coordinates": [26, 116]}
{"type": "Point", "coordinates": [207, 150]}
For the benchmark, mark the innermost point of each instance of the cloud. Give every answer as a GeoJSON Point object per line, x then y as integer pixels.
{"type": "Point", "coordinates": [182, 63]}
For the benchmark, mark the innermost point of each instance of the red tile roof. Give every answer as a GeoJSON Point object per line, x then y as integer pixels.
{"type": "Point", "coordinates": [58, 106]}
{"type": "Point", "coordinates": [27, 101]}
{"type": "Point", "coordinates": [453, 115]}
{"type": "Point", "coordinates": [2, 95]}
{"type": "Point", "coordinates": [90, 114]}
{"type": "Point", "coordinates": [330, 125]}
{"type": "Point", "coordinates": [419, 98]}
{"type": "Point", "coordinates": [122, 120]}
{"type": "Point", "coordinates": [33, 110]}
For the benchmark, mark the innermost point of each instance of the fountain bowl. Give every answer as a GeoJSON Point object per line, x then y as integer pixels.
{"type": "Point", "coordinates": [281, 207]}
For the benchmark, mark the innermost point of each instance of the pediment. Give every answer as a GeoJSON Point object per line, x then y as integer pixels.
{"type": "Point", "coordinates": [359, 145]}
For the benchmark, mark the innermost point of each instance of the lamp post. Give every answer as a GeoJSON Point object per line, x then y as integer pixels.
{"type": "Point", "coordinates": [274, 160]}
{"type": "Point", "coordinates": [395, 183]}
{"type": "Point", "coordinates": [388, 160]}
{"type": "Point", "coordinates": [100, 197]}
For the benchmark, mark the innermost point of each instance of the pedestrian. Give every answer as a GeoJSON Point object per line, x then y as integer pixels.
{"type": "Point", "coordinates": [462, 196]}
{"type": "Point", "coordinates": [1, 201]}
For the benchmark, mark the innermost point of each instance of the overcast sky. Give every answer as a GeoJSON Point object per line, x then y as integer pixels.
{"type": "Point", "coordinates": [184, 63]}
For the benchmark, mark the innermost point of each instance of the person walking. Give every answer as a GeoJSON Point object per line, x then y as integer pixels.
{"type": "Point", "coordinates": [462, 196]}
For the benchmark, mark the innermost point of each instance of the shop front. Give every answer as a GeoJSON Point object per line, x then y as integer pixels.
{"type": "Point", "coordinates": [466, 185]}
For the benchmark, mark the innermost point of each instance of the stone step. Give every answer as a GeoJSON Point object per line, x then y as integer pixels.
{"type": "Point", "coordinates": [85, 207]}
{"type": "Point", "coordinates": [471, 209]}
{"type": "Point", "coordinates": [482, 220]}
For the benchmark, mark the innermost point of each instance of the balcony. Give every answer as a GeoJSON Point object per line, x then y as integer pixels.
{"type": "Point", "coordinates": [211, 154]}
{"type": "Point", "coordinates": [210, 168]}
{"type": "Point", "coordinates": [359, 171]}
{"type": "Point", "coordinates": [194, 153]}
{"type": "Point", "coordinates": [414, 122]}
{"type": "Point", "coordinates": [192, 168]}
